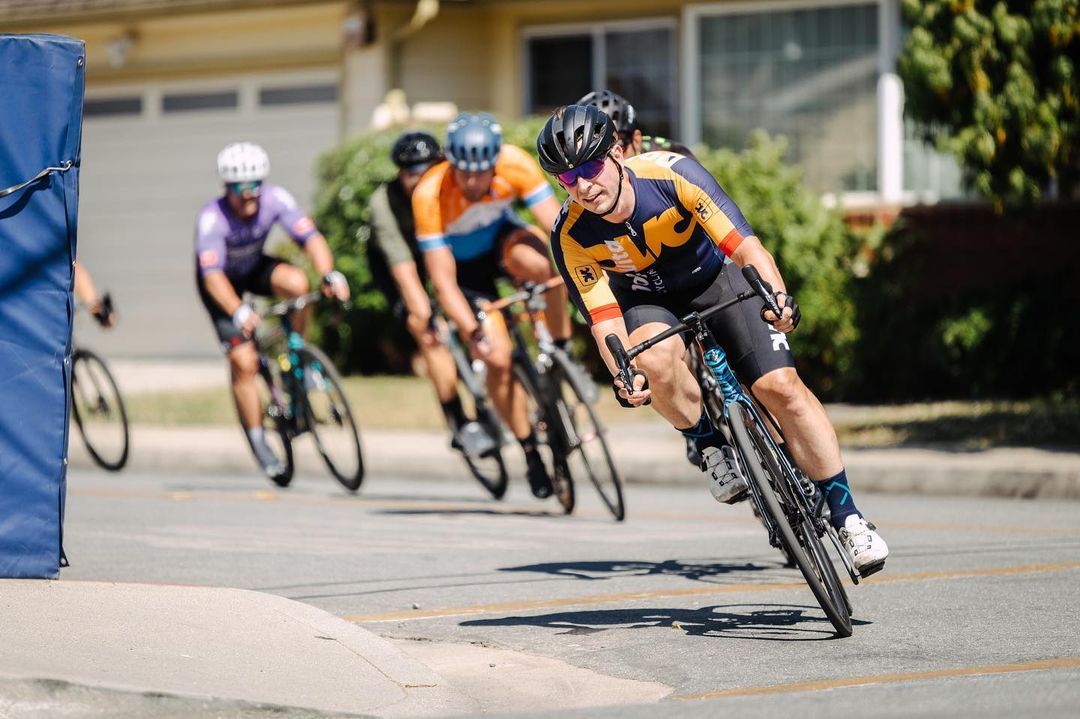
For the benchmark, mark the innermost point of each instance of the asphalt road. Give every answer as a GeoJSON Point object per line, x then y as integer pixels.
{"type": "Point", "coordinates": [684, 604]}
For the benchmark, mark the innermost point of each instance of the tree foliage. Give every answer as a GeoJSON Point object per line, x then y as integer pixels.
{"type": "Point", "coordinates": [994, 82]}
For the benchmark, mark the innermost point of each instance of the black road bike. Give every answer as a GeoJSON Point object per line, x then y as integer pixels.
{"type": "Point", "coordinates": [561, 398]}
{"type": "Point", "coordinates": [788, 503]}
{"type": "Point", "coordinates": [301, 391]}
{"type": "Point", "coordinates": [98, 408]}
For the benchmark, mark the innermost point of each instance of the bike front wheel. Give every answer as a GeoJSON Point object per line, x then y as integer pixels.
{"type": "Point", "coordinates": [330, 418]}
{"type": "Point", "coordinates": [98, 410]}
{"type": "Point", "coordinates": [586, 440]}
{"type": "Point", "coordinates": [545, 416]}
{"type": "Point", "coordinates": [275, 424]}
{"type": "Point", "coordinates": [794, 530]}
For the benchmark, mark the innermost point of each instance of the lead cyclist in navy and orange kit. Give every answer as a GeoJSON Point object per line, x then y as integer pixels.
{"type": "Point", "coordinates": [642, 242]}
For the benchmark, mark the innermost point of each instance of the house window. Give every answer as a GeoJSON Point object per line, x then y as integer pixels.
{"type": "Point", "coordinates": [112, 106]}
{"type": "Point", "coordinates": [300, 95]}
{"type": "Point", "coordinates": [196, 101]}
{"type": "Point", "coordinates": [635, 59]}
{"type": "Point", "coordinates": [807, 73]}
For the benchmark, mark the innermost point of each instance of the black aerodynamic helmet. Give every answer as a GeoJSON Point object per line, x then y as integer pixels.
{"type": "Point", "coordinates": [415, 149]}
{"type": "Point", "coordinates": [574, 134]}
{"type": "Point", "coordinates": [617, 107]}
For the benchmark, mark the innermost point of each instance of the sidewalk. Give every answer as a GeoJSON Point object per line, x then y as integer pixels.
{"type": "Point", "coordinates": [193, 644]}
{"type": "Point", "coordinates": [648, 453]}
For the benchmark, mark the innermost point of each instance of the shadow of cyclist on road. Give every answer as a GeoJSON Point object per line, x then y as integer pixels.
{"type": "Point", "coordinates": [763, 622]}
{"type": "Point", "coordinates": [638, 568]}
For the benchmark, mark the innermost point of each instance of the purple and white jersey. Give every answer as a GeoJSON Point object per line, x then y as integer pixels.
{"type": "Point", "coordinates": [226, 244]}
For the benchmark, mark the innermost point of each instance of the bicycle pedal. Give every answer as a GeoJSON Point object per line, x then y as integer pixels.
{"type": "Point", "coordinates": [871, 569]}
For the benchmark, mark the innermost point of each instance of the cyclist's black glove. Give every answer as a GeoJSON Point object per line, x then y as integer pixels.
{"type": "Point", "coordinates": [796, 313]}
{"type": "Point", "coordinates": [634, 373]}
{"type": "Point", "coordinates": [101, 314]}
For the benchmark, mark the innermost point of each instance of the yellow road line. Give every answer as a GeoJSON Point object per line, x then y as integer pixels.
{"type": "Point", "coordinates": [699, 591]}
{"type": "Point", "coordinates": [1032, 666]}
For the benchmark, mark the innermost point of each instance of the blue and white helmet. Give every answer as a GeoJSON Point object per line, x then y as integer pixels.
{"type": "Point", "coordinates": [473, 141]}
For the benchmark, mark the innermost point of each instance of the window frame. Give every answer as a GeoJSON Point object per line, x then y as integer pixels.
{"type": "Point", "coordinates": [597, 32]}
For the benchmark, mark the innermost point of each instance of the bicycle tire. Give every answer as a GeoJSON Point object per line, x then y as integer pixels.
{"type": "Point", "coordinates": [607, 483]}
{"type": "Point", "coordinates": [275, 425]}
{"type": "Point", "coordinates": [768, 476]}
{"type": "Point", "coordinates": [541, 417]}
{"type": "Point", "coordinates": [101, 378]}
{"type": "Point", "coordinates": [489, 469]}
{"type": "Point", "coordinates": [337, 413]}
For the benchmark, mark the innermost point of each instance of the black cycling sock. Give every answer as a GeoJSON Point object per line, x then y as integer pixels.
{"type": "Point", "coordinates": [454, 412]}
{"type": "Point", "coordinates": [528, 444]}
{"type": "Point", "coordinates": [704, 434]}
{"type": "Point", "coordinates": [838, 495]}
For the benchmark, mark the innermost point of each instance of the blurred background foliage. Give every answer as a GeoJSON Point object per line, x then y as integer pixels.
{"type": "Point", "coordinates": [994, 83]}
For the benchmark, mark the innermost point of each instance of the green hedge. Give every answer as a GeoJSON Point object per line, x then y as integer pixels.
{"type": "Point", "coordinates": [812, 246]}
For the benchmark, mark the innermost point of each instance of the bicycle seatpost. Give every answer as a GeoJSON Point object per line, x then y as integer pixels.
{"type": "Point", "coordinates": [615, 347]}
{"type": "Point", "coordinates": [762, 288]}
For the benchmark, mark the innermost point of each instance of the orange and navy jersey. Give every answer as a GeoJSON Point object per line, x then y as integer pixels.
{"type": "Point", "coordinates": [682, 228]}
{"type": "Point", "coordinates": [445, 218]}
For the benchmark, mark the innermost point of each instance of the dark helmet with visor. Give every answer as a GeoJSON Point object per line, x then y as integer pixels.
{"type": "Point", "coordinates": [414, 151]}
{"type": "Point", "coordinates": [617, 107]}
{"type": "Point", "coordinates": [573, 135]}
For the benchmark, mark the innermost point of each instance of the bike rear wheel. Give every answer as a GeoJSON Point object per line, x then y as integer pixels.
{"type": "Point", "coordinates": [794, 530]}
{"type": "Point", "coordinates": [273, 400]}
{"type": "Point", "coordinates": [330, 418]}
{"type": "Point", "coordinates": [545, 418]}
{"type": "Point", "coordinates": [586, 437]}
{"type": "Point", "coordinates": [99, 410]}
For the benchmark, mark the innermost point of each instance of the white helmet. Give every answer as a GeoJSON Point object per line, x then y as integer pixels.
{"type": "Point", "coordinates": [243, 162]}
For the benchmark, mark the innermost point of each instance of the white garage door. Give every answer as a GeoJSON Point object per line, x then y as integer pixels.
{"type": "Point", "coordinates": [149, 165]}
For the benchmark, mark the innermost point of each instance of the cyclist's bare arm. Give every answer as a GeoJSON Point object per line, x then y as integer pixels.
{"type": "Point", "coordinates": [219, 287]}
{"type": "Point", "coordinates": [617, 327]}
{"type": "Point", "coordinates": [322, 260]}
{"type": "Point", "coordinates": [546, 212]}
{"type": "Point", "coordinates": [412, 291]}
{"type": "Point", "coordinates": [442, 269]}
{"type": "Point", "coordinates": [751, 252]}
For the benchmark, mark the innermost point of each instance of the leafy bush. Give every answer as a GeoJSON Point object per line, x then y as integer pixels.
{"type": "Point", "coordinates": [813, 249]}
{"type": "Point", "coordinates": [994, 82]}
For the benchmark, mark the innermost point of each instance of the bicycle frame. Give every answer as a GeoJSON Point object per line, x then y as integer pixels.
{"type": "Point", "coordinates": [715, 359]}
{"type": "Point", "coordinates": [293, 411]}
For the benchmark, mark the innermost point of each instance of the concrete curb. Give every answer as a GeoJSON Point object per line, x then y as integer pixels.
{"type": "Point", "coordinates": [209, 642]}
{"type": "Point", "coordinates": [645, 453]}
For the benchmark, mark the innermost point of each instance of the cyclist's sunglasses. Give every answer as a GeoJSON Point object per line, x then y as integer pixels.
{"type": "Point", "coordinates": [239, 188]}
{"type": "Point", "coordinates": [587, 170]}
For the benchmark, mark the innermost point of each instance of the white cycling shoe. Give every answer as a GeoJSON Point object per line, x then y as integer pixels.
{"type": "Point", "coordinates": [726, 482]}
{"type": "Point", "coordinates": [864, 546]}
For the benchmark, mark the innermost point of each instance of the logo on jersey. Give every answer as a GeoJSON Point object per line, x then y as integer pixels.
{"type": "Point", "coordinates": [586, 275]}
{"type": "Point", "coordinates": [704, 207]}
{"type": "Point", "coordinates": [208, 259]}
{"type": "Point", "coordinates": [303, 226]}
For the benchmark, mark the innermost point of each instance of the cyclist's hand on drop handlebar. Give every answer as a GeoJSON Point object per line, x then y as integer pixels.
{"type": "Point", "coordinates": [479, 347]}
{"type": "Point", "coordinates": [334, 285]}
{"type": "Point", "coordinates": [641, 394]}
{"type": "Point", "coordinates": [790, 313]}
{"type": "Point", "coordinates": [246, 320]}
